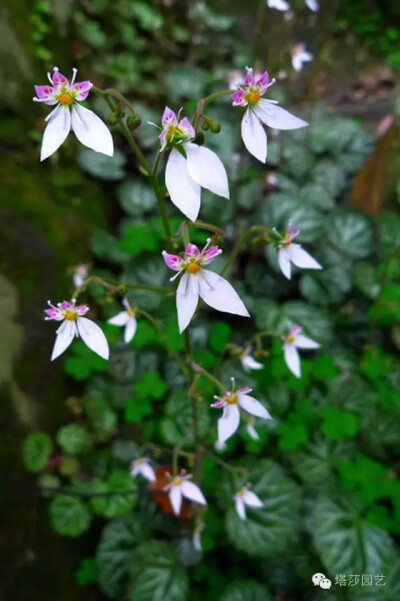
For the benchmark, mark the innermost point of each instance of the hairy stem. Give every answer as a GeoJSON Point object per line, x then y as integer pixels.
{"type": "Point", "coordinates": [116, 287]}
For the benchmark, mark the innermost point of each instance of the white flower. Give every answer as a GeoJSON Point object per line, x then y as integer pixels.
{"type": "Point", "coordinates": [293, 341]}
{"type": "Point", "coordinates": [75, 325]}
{"type": "Point", "coordinates": [80, 275]}
{"type": "Point", "coordinates": [300, 56]}
{"type": "Point", "coordinates": [69, 114]}
{"type": "Point", "coordinates": [142, 466]}
{"type": "Point", "coordinates": [180, 488]}
{"type": "Point", "coordinates": [189, 167]}
{"type": "Point", "coordinates": [278, 4]}
{"type": "Point", "coordinates": [231, 403]}
{"type": "Point", "coordinates": [125, 319]}
{"type": "Point", "coordinates": [199, 282]}
{"type": "Point", "coordinates": [251, 431]}
{"type": "Point", "coordinates": [312, 4]}
{"type": "Point", "coordinates": [248, 362]}
{"type": "Point", "coordinates": [293, 253]}
{"type": "Point", "coordinates": [246, 497]}
{"type": "Point", "coordinates": [258, 111]}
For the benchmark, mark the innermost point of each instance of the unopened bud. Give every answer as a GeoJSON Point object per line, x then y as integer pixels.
{"type": "Point", "coordinates": [134, 121]}
{"type": "Point", "coordinates": [215, 127]}
{"type": "Point", "coordinates": [112, 119]}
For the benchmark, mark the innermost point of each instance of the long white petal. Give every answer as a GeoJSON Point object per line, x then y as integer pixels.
{"type": "Point", "coordinates": [192, 491]}
{"type": "Point", "coordinates": [240, 507]}
{"type": "Point", "coordinates": [91, 130]}
{"type": "Point", "coordinates": [93, 336]}
{"type": "Point", "coordinates": [284, 257]}
{"type": "Point", "coordinates": [64, 337]}
{"type": "Point", "coordinates": [305, 342]}
{"type": "Point", "coordinates": [57, 130]}
{"type": "Point", "coordinates": [302, 259]}
{"type": "Point", "coordinates": [254, 136]}
{"type": "Point", "coordinates": [249, 363]}
{"type": "Point", "coordinates": [130, 329]}
{"type": "Point", "coordinates": [219, 294]}
{"type": "Point", "coordinates": [228, 423]}
{"type": "Point", "coordinates": [120, 319]}
{"type": "Point", "coordinates": [292, 359]}
{"type": "Point", "coordinates": [183, 190]}
{"type": "Point", "coordinates": [275, 116]}
{"type": "Point", "coordinates": [175, 496]}
{"type": "Point", "coordinates": [253, 406]}
{"type": "Point", "coordinates": [297, 63]}
{"type": "Point", "coordinates": [147, 472]}
{"type": "Point", "coordinates": [206, 168]}
{"type": "Point", "coordinates": [187, 298]}
{"type": "Point", "coordinates": [252, 500]}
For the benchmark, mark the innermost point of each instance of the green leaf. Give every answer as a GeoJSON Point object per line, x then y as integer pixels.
{"type": "Point", "coordinates": [74, 439]}
{"type": "Point", "coordinates": [36, 451]}
{"type": "Point", "coordinates": [151, 385]}
{"type": "Point", "coordinates": [70, 516]}
{"type": "Point", "coordinates": [83, 362]}
{"type": "Point", "coordinates": [352, 232]}
{"type": "Point", "coordinates": [330, 286]}
{"type": "Point", "coordinates": [178, 418]}
{"type": "Point", "coordinates": [184, 82]}
{"type": "Point", "coordinates": [338, 423]}
{"type": "Point", "coordinates": [158, 576]}
{"type": "Point", "coordinates": [115, 505]}
{"type": "Point", "coordinates": [101, 417]}
{"type": "Point", "coordinates": [389, 230]}
{"type": "Point", "coordinates": [118, 542]}
{"type": "Point", "coordinates": [88, 572]}
{"type": "Point", "coordinates": [220, 335]}
{"type": "Point", "coordinates": [318, 462]}
{"type": "Point", "coordinates": [316, 196]}
{"type": "Point", "coordinates": [268, 531]}
{"type": "Point", "coordinates": [246, 590]}
{"type": "Point", "coordinates": [329, 176]}
{"type": "Point", "coordinates": [136, 197]}
{"type": "Point", "coordinates": [345, 542]}
{"type": "Point", "coordinates": [102, 166]}
{"type": "Point", "coordinates": [136, 409]}
{"type": "Point", "coordinates": [139, 238]}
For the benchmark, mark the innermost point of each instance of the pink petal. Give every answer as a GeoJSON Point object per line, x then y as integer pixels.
{"type": "Point", "coordinates": [238, 98]}
{"type": "Point", "coordinates": [191, 251]}
{"type": "Point", "coordinates": [169, 117]}
{"type": "Point", "coordinates": [58, 77]}
{"type": "Point", "coordinates": [249, 81]}
{"type": "Point", "coordinates": [187, 127]}
{"type": "Point", "coordinates": [82, 89]}
{"type": "Point", "coordinates": [172, 261]}
{"type": "Point", "coordinates": [264, 80]}
{"type": "Point", "coordinates": [46, 94]}
{"type": "Point", "coordinates": [209, 255]}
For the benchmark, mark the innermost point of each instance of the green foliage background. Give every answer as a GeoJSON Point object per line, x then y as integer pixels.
{"type": "Point", "coordinates": [327, 465]}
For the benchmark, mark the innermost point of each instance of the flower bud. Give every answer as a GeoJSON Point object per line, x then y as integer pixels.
{"type": "Point", "coordinates": [134, 121]}
{"type": "Point", "coordinates": [112, 119]}
{"type": "Point", "coordinates": [215, 127]}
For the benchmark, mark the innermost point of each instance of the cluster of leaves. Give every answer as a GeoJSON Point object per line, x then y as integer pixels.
{"type": "Point", "coordinates": [373, 25]}
{"type": "Point", "coordinates": [325, 466]}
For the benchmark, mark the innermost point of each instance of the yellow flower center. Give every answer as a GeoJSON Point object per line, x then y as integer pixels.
{"type": "Point", "coordinates": [231, 399]}
{"type": "Point", "coordinates": [253, 97]}
{"type": "Point", "coordinates": [193, 268]}
{"type": "Point", "coordinates": [291, 339]}
{"type": "Point", "coordinates": [66, 97]}
{"type": "Point", "coordinates": [174, 130]}
{"type": "Point", "coordinates": [178, 482]}
{"type": "Point", "coordinates": [242, 492]}
{"type": "Point", "coordinates": [70, 315]}
{"type": "Point", "coordinates": [131, 313]}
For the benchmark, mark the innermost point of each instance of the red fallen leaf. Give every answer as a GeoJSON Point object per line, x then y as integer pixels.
{"type": "Point", "coordinates": [160, 496]}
